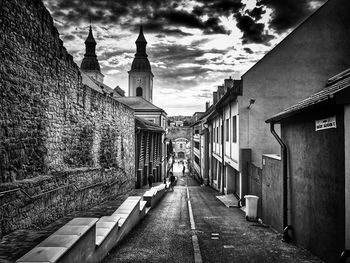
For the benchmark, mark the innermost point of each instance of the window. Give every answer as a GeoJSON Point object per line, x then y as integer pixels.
{"type": "Point", "coordinates": [196, 159]}
{"type": "Point", "coordinates": [217, 134]}
{"type": "Point", "coordinates": [139, 92]}
{"type": "Point", "coordinates": [227, 130]}
{"type": "Point", "coordinates": [196, 145]}
{"type": "Point", "coordinates": [181, 146]}
{"type": "Point", "coordinates": [234, 129]}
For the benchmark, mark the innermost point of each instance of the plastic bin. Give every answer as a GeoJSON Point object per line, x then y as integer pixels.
{"type": "Point", "coordinates": [251, 213]}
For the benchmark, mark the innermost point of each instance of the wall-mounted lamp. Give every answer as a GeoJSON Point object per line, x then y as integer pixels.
{"type": "Point", "coordinates": [251, 102]}
{"type": "Point", "coordinates": [205, 125]}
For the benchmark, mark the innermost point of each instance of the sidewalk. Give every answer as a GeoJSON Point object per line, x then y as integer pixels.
{"type": "Point", "coordinates": [16, 244]}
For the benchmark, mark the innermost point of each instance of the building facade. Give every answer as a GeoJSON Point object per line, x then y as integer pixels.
{"type": "Point", "coordinates": [268, 87]}
{"type": "Point", "coordinates": [221, 138]}
{"type": "Point", "coordinates": [297, 67]}
{"type": "Point", "coordinates": [149, 152]}
{"type": "Point", "coordinates": [180, 148]}
{"type": "Point", "coordinates": [315, 169]}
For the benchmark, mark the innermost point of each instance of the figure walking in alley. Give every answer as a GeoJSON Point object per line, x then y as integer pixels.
{"type": "Point", "coordinates": [183, 169]}
{"type": "Point", "coordinates": [172, 181]}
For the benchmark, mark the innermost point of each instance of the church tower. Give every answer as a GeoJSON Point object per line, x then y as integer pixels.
{"type": "Point", "coordinates": [140, 75]}
{"type": "Point", "coordinates": [90, 65]}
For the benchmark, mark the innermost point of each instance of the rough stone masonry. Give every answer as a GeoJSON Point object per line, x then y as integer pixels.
{"type": "Point", "coordinates": [63, 145]}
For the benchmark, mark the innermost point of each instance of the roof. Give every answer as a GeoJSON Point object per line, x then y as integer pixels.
{"type": "Point", "coordinates": [334, 86]}
{"type": "Point", "coordinates": [94, 84]}
{"type": "Point", "coordinates": [141, 37]}
{"type": "Point", "coordinates": [139, 104]}
{"type": "Point", "coordinates": [117, 91]}
{"type": "Point", "coordinates": [142, 124]}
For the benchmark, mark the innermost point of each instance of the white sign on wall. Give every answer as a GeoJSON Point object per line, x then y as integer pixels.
{"type": "Point", "coordinates": [327, 123]}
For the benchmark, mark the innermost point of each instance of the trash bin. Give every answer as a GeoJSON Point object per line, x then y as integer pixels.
{"type": "Point", "coordinates": [251, 213]}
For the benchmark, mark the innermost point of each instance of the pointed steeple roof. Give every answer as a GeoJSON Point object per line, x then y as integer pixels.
{"type": "Point", "coordinates": [90, 38]}
{"type": "Point", "coordinates": [141, 37]}
{"type": "Point", "coordinates": [140, 62]}
{"type": "Point", "coordinates": [90, 61]}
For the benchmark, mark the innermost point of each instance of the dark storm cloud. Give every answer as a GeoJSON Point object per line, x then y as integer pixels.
{"type": "Point", "coordinates": [287, 13]}
{"type": "Point", "coordinates": [184, 18]}
{"type": "Point", "coordinates": [248, 50]}
{"type": "Point", "coordinates": [68, 37]}
{"type": "Point", "coordinates": [256, 13]}
{"type": "Point", "coordinates": [175, 54]}
{"type": "Point", "coordinates": [220, 7]}
{"type": "Point", "coordinates": [173, 32]}
{"type": "Point", "coordinates": [252, 32]}
{"type": "Point", "coordinates": [204, 16]}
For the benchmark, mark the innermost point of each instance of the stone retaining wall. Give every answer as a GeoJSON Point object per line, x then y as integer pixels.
{"type": "Point", "coordinates": [61, 142]}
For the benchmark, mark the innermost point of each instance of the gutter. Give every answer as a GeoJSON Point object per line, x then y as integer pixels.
{"type": "Point", "coordinates": [286, 228]}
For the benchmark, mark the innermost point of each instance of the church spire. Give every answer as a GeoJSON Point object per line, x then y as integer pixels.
{"type": "Point", "coordinates": [141, 44]}
{"type": "Point", "coordinates": [141, 62]}
{"type": "Point", "coordinates": [140, 75]}
{"type": "Point", "coordinates": [90, 63]}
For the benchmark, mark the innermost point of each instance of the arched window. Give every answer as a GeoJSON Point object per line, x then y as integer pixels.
{"type": "Point", "coordinates": [139, 92]}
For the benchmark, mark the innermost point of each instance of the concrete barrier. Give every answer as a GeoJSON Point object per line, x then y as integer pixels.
{"type": "Point", "coordinates": [74, 242]}
{"type": "Point", "coordinates": [90, 239]}
{"type": "Point", "coordinates": [112, 229]}
{"type": "Point", "coordinates": [153, 195]}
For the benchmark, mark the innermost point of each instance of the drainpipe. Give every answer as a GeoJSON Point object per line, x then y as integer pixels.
{"type": "Point", "coordinates": [286, 228]}
{"type": "Point", "coordinates": [222, 153]}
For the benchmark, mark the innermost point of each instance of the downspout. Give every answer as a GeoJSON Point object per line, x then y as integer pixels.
{"type": "Point", "coordinates": [286, 228]}
{"type": "Point", "coordinates": [222, 152]}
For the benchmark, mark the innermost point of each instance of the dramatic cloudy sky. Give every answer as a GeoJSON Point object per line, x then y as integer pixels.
{"type": "Point", "coordinates": [193, 45]}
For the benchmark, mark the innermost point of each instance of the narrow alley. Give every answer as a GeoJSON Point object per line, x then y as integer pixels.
{"type": "Point", "coordinates": [224, 235]}
{"type": "Point", "coordinates": [104, 103]}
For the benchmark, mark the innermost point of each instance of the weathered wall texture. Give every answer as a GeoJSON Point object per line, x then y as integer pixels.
{"type": "Point", "coordinates": [316, 181]}
{"type": "Point", "coordinates": [272, 194]}
{"type": "Point", "coordinates": [60, 140]}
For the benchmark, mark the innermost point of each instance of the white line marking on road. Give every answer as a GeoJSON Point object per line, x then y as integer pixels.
{"type": "Point", "coordinates": [214, 237]}
{"type": "Point", "coordinates": [229, 246]}
{"type": "Point", "coordinates": [214, 234]}
{"type": "Point", "coordinates": [193, 225]}
{"type": "Point", "coordinates": [196, 249]}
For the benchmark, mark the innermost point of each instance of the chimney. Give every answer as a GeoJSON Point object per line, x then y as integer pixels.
{"type": "Point", "coordinates": [207, 105]}
{"type": "Point", "coordinates": [215, 97]}
{"type": "Point", "coordinates": [228, 84]}
{"type": "Point", "coordinates": [238, 87]}
{"type": "Point", "coordinates": [220, 92]}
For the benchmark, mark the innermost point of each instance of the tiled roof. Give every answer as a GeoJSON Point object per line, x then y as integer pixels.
{"type": "Point", "coordinates": [334, 85]}
{"type": "Point", "coordinates": [143, 124]}
{"type": "Point", "coordinates": [139, 104]}
{"type": "Point", "coordinates": [88, 81]}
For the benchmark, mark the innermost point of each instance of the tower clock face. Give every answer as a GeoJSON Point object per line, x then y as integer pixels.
{"type": "Point", "coordinates": [139, 81]}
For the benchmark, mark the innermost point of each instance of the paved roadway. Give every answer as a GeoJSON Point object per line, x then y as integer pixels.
{"type": "Point", "coordinates": [216, 234]}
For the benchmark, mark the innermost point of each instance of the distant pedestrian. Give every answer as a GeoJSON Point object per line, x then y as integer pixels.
{"type": "Point", "coordinates": [172, 181]}
{"type": "Point", "coordinates": [150, 180]}
{"type": "Point", "coordinates": [183, 170]}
